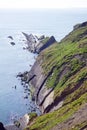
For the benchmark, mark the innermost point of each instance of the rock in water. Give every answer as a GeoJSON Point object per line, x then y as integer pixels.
{"type": "Point", "coordinates": [12, 43]}
{"type": "Point", "coordinates": [10, 37]}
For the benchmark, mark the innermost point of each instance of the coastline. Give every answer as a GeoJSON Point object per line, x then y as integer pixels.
{"type": "Point", "coordinates": [27, 77]}
{"type": "Point", "coordinates": [69, 99]}
{"type": "Point", "coordinates": [35, 77]}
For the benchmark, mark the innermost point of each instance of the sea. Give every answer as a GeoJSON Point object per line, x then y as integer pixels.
{"type": "Point", "coordinates": [14, 59]}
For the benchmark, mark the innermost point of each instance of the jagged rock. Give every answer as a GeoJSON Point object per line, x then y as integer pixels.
{"type": "Point", "coordinates": [41, 37]}
{"type": "Point", "coordinates": [35, 44]}
{"type": "Point", "coordinates": [32, 42]}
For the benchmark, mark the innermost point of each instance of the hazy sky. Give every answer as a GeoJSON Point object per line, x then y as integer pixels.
{"type": "Point", "coordinates": [42, 3]}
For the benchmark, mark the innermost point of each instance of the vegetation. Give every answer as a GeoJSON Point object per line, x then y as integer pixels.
{"type": "Point", "coordinates": [68, 59]}
{"type": "Point", "coordinates": [32, 116]}
{"type": "Point", "coordinates": [45, 40]}
{"type": "Point", "coordinates": [49, 120]}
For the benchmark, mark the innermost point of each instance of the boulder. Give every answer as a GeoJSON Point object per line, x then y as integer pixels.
{"type": "Point", "coordinates": [12, 43]}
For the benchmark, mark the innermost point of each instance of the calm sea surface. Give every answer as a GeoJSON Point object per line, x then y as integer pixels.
{"type": "Point", "coordinates": [13, 59]}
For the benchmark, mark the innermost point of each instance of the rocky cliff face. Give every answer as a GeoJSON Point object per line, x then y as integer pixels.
{"type": "Point", "coordinates": [36, 76]}
{"type": "Point", "coordinates": [60, 83]}
{"type": "Point", "coordinates": [39, 83]}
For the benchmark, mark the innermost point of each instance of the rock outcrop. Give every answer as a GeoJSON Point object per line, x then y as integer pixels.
{"type": "Point", "coordinates": [37, 44]}
{"type": "Point", "coordinates": [80, 25]}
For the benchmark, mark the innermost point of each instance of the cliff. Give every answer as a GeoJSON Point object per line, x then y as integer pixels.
{"type": "Point", "coordinates": [59, 78]}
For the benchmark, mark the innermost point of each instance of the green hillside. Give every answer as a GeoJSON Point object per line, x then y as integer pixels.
{"type": "Point", "coordinates": [67, 62]}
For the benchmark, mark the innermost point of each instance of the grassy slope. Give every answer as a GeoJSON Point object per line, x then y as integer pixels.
{"type": "Point", "coordinates": [69, 77]}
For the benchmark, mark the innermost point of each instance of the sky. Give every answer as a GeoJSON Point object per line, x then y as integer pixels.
{"type": "Point", "coordinates": [43, 4]}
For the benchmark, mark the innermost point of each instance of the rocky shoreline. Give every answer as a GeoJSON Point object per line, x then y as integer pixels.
{"type": "Point", "coordinates": [35, 76]}
{"type": "Point", "coordinates": [59, 81]}
{"type": "Point", "coordinates": [35, 45]}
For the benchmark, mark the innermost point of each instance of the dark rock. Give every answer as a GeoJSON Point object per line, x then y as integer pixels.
{"type": "Point", "coordinates": [19, 74]}
{"type": "Point", "coordinates": [10, 37]}
{"type": "Point", "coordinates": [48, 43]}
{"type": "Point", "coordinates": [33, 98]}
{"type": "Point", "coordinates": [28, 93]}
{"type": "Point", "coordinates": [22, 83]}
{"type": "Point", "coordinates": [22, 74]}
{"type": "Point", "coordinates": [26, 97]}
{"type": "Point", "coordinates": [2, 126]}
{"type": "Point", "coordinates": [80, 25]}
{"type": "Point", "coordinates": [15, 86]}
{"type": "Point", "coordinates": [24, 48]}
{"type": "Point", "coordinates": [17, 123]}
{"type": "Point", "coordinates": [12, 43]}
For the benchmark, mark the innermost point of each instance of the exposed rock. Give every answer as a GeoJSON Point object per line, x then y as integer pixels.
{"type": "Point", "coordinates": [26, 97]}
{"type": "Point", "coordinates": [80, 25]}
{"type": "Point", "coordinates": [36, 44]}
{"type": "Point", "coordinates": [20, 124]}
{"type": "Point", "coordinates": [37, 79]}
{"type": "Point", "coordinates": [12, 43]}
{"type": "Point", "coordinates": [10, 37]}
{"type": "Point", "coordinates": [22, 74]}
{"type": "Point", "coordinates": [32, 41]}
{"type": "Point", "coordinates": [47, 44]}
{"type": "Point", "coordinates": [41, 37]}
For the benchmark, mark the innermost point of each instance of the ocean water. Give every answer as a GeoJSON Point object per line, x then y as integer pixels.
{"type": "Point", "coordinates": [13, 59]}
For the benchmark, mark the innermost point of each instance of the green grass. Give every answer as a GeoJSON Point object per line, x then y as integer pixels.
{"type": "Point", "coordinates": [63, 55]}
{"type": "Point", "coordinates": [71, 82]}
{"type": "Point", "coordinates": [80, 126]}
{"type": "Point", "coordinates": [68, 78]}
{"type": "Point", "coordinates": [32, 116]}
{"type": "Point", "coordinates": [48, 121]}
{"type": "Point", "coordinates": [45, 40]}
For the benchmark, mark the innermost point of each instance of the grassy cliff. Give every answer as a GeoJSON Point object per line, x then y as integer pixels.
{"type": "Point", "coordinates": [67, 62]}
